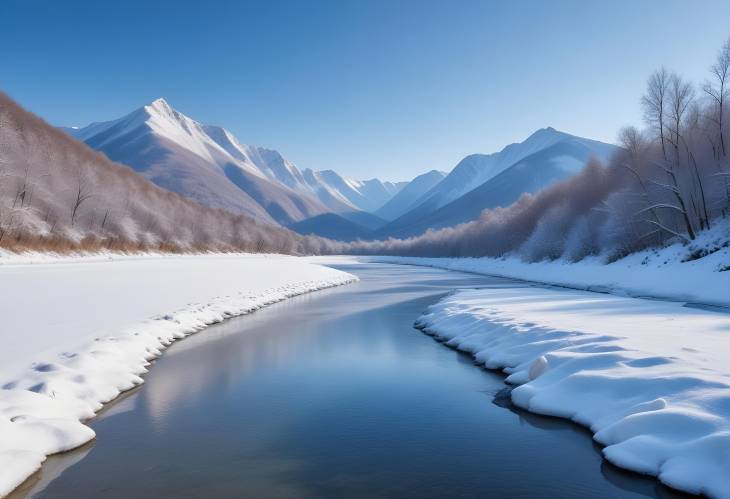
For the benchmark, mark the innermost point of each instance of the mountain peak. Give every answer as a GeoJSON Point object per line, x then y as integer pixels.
{"type": "Point", "coordinates": [159, 106]}
{"type": "Point", "coordinates": [160, 101]}
{"type": "Point", "coordinates": [540, 138]}
{"type": "Point", "coordinates": [547, 131]}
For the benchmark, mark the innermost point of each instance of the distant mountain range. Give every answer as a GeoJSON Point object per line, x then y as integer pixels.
{"type": "Point", "coordinates": [404, 200]}
{"type": "Point", "coordinates": [208, 164]}
{"type": "Point", "coordinates": [482, 181]}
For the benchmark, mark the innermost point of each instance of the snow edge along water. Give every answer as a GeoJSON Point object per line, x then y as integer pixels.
{"type": "Point", "coordinates": [657, 406]}
{"type": "Point", "coordinates": [43, 411]}
{"type": "Point", "coordinates": [698, 273]}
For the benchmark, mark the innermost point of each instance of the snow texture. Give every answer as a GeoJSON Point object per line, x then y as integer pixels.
{"type": "Point", "coordinates": [79, 331]}
{"type": "Point", "coordinates": [649, 378]}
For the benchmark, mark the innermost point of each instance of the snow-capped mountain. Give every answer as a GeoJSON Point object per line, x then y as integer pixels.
{"type": "Point", "coordinates": [408, 195]}
{"type": "Point", "coordinates": [365, 195]}
{"type": "Point", "coordinates": [340, 194]}
{"type": "Point", "coordinates": [209, 164]}
{"type": "Point", "coordinates": [482, 181]}
{"type": "Point", "coordinates": [475, 169]}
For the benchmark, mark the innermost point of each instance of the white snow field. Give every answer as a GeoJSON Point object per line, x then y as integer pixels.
{"type": "Point", "coordinates": [651, 379]}
{"type": "Point", "coordinates": [78, 332]}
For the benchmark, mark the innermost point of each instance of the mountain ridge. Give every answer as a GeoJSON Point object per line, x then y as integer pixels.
{"type": "Point", "coordinates": [209, 164]}
{"type": "Point", "coordinates": [430, 210]}
{"type": "Point", "coordinates": [404, 199]}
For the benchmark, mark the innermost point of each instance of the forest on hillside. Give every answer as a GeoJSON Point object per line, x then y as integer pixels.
{"type": "Point", "coordinates": [58, 194]}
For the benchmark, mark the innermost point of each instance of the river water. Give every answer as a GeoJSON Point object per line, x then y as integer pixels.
{"type": "Point", "coordinates": [332, 394]}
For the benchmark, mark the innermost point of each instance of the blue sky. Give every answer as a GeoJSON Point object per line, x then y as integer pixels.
{"type": "Point", "coordinates": [368, 88]}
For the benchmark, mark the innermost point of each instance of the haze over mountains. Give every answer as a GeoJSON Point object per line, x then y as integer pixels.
{"type": "Point", "coordinates": [210, 165]}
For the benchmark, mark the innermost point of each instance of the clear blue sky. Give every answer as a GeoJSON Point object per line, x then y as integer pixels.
{"type": "Point", "coordinates": [368, 88]}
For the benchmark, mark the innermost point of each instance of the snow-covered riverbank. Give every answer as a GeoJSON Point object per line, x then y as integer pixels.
{"type": "Point", "coordinates": [698, 273]}
{"type": "Point", "coordinates": [649, 378]}
{"type": "Point", "coordinates": [77, 332]}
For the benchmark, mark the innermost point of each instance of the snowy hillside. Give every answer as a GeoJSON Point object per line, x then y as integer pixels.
{"type": "Point", "coordinates": [563, 154]}
{"type": "Point", "coordinates": [177, 153]}
{"type": "Point", "coordinates": [476, 169]}
{"type": "Point", "coordinates": [58, 194]}
{"type": "Point", "coordinates": [544, 168]}
{"type": "Point", "coordinates": [698, 272]}
{"type": "Point", "coordinates": [209, 164]}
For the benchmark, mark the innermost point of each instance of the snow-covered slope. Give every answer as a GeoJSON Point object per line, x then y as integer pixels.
{"type": "Point", "coordinates": [209, 164]}
{"type": "Point", "coordinates": [340, 194]}
{"type": "Point", "coordinates": [698, 272]}
{"type": "Point", "coordinates": [476, 169]}
{"type": "Point", "coordinates": [178, 153]}
{"type": "Point", "coordinates": [553, 156]}
{"type": "Point", "coordinates": [102, 321]}
{"type": "Point", "coordinates": [365, 195]}
{"type": "Point", "coordinates": [407, 196]}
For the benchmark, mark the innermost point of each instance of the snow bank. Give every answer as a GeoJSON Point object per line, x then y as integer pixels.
{"type": "Point", "coordinates": [75, 335]}
{"type": "Point", "coordinates": [38, 257]}
{"type": "Point", "coordinates": [697, 273]}
{"type": "Point", "coordinates": [651, 379]}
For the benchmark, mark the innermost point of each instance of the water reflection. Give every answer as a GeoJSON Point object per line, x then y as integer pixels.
{"type": "Point", "coordinates": [334, 394]}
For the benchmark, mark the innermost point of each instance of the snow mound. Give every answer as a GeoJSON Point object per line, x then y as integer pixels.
{"type": "Point", "coordinates": [43, 408]}
{"type": "Point", "coordinates": [649, 378]}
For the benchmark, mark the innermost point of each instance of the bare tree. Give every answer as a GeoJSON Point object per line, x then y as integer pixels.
{"type": "Point", "coordinates": [679, 95]}
{"type": "Point", "coordinates": [717, 91]}
{"type": "Point", "coordinates": [654, 103]}
{"type": "Point", "coordinates": [82, 191]}
{"type": "Point", "coordinates": [632, 159]}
